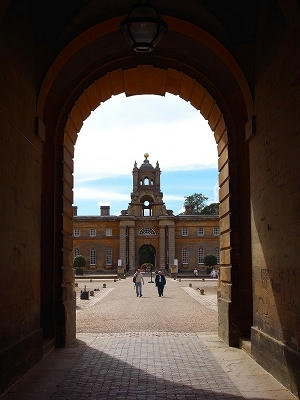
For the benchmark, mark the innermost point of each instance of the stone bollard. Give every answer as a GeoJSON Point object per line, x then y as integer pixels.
{"type": "Point", "coordinates": [104, 285]}
{"type": "Point", "coordinates": [92, 293]}
{"type": "Point", "coordinates": [76, 284]}
{"type": "Point", "coordinates": [115, 280]}
{"type": "Point", "coordinates": [179, 279]}
{"type": "Point", "coordinates": [190, 285]}
{"type": "Point", "coordinates": [203, 279]}
{"type": "Point", "coordinates": [91, 280]}
{"type": "Point", "coordinates": [202, 291]}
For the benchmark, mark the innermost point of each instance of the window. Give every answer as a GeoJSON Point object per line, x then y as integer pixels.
{"type": "Point", "coordinates": [76, 232]}
{"type": "Point", "coordinates": [147, 232]}
{"type": "Point", "coordinates": [146, 181]}
{"type": "Point", "coordinates": [184, 231]}
{"type": "Point", "coordinates": [185, 257]}
{"type": "Point", "coordinates": [216, 231]}
{"type": "Point", "coordinates": [200, 255]}
{"type": "Point", "coordinates": [147, 211]}
{"type": "Point", "coordinates": [108, 232]}
{"type": "Point", "coordinates": [92, 232]}
{"type": "Point", "coordinates": [76, 252]}
{"type": "Point", "coordinates": [92, 257]}
{"type": "Point", "coordinates": [218, 255]}
{"type": "Point", "coordinates": [108, 257]}
{"type": "Point", "coordinates": [200, 231]}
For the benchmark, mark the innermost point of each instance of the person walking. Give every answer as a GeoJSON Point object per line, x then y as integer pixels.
{"type": "Point", "coordinates": [138, 280]}
{"type": "Point", "coordinates": [160, 282]}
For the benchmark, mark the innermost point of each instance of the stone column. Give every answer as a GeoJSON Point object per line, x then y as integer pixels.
{"type": "Point", "coordinates": [171, 245]}
{"type": "Point", "coordinates": [162, 242]}
{"type": "Point", "coordinates": [123, 245]}
{"type": "Point", "coordinates": [131, 249]}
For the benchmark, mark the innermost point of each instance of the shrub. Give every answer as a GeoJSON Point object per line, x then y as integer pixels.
{"type": "Point", "coordinates": [210, 261]}
{"type": "Point", "coordinates": [79, 262]}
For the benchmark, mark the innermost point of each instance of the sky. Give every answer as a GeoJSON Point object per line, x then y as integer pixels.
{"type": "Point", "coordinates": [121, 130]}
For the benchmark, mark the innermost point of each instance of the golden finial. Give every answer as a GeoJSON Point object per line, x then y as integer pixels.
{"type": "Point", "coordinates": [146, 155]}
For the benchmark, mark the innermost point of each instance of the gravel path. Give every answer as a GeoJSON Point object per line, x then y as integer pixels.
{"type": "Point", "coordinates": [121, 311]}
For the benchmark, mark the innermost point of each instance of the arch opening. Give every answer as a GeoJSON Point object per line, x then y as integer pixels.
{"type": "Point", "coordinates": [147, 256]}
{"type": "Point", "coordinates": [147, 79]}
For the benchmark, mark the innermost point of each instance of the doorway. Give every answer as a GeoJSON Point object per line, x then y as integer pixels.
{"type": "Point", "coordinates": [146, 256]}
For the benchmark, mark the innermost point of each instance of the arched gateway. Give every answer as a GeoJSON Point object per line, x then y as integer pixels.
{"type": "Point", "coordinates": [226, 115]}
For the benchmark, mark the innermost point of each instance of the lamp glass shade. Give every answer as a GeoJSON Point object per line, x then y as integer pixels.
{"type": "Point", "coordinates": [143, 28]}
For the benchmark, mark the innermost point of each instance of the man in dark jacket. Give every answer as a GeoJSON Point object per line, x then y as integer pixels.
{"type": "Point", "coordinates": [160, 282]}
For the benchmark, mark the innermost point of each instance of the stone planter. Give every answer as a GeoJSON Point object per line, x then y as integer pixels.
{"type": "Point", "coordinates": [79, 271]}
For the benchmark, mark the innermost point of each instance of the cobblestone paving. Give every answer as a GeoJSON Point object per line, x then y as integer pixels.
{"type": "Point", "coordinates": [208, 301]}
{"type": "Point", "coordinates": [147, 365]}
{"type": "Point", "coordinates": [147, 348]}
{"type": "Point", "coordinates": [122, 311]}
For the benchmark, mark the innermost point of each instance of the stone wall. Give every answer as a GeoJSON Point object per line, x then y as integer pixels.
{"type": "Point", "coordinates": [20, 202]}
{"type": "Point", "coordinates": [275, 200]}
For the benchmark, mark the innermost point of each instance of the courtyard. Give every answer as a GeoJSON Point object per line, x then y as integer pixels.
{"type": "Point", "coordinates": [147, 348]}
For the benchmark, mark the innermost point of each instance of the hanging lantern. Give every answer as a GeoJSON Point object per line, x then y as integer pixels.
{"type": "Point", "coordinates": [143, 28]}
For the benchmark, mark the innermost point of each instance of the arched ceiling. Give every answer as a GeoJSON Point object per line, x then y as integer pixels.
{"type": "Point", "coordinates": [102, 49]}
{"type": "Point", "coordinates": [54, 23]}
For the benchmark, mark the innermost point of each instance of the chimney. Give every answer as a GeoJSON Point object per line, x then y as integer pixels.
{"type": "Point", "coordinates": [74, 211]}
{"type": "Point", "coordinates": [104, 211]}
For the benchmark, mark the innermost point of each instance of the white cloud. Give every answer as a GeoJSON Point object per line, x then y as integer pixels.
{"type": "Point", "coordinates": [101, 196]}
{"type": "Point", "coordinates": [171, 197]}
{"type": "Point", "coordinates": [106, 149]}
{"type": "Point", "coordinates": [216, 192]}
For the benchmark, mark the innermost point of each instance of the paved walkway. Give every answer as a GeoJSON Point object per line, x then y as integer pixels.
{"type": "Point", "coordinates": [122, 311]}
{"type": "Point", "coordinates": [148, 363]}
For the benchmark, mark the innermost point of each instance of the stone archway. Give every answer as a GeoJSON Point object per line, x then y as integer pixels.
{"type": "Point", "coordinates": [233, 154]}
{"type": "Point", "coordinates": [152, 80]}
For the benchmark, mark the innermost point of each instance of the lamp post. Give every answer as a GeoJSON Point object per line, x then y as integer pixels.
{"type": "Point", "coordinates": [143, 27]}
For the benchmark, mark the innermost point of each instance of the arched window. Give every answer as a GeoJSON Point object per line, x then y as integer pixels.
{"type": "Point", "coordinates": [147, 232]}
{"type": "Point", "coordinates": [147, 211]}
{"type": "Point", "coordinates": [146, 181]}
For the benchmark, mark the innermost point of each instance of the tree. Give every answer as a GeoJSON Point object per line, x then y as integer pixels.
{"type": "Point", "coordinates": [211, 209]}
{"type": "Point", "coordinates": [194, 203]}
{"type": "Point", "coordinates": [79, 263]}
{"type": "Point", "coordinates": [210, 261]}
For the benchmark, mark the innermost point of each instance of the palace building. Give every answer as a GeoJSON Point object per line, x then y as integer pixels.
{"type": "Point", "coordinates": [147, 232]}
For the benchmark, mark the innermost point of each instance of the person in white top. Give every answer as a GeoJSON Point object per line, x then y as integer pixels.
{"type": "Point", "coordinates": [214, 274]}
{"type": "Point", "coordinates": [138, 280]}
{"type": "Point", "coordinates": [195, 272]}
